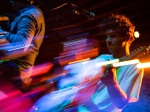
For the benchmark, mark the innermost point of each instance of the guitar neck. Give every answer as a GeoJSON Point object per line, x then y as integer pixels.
{"type": "Point", "coordinates": [136, 53]}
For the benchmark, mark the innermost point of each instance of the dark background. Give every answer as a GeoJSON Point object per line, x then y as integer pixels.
{"type": "Point", "coordinates": [61, 24]}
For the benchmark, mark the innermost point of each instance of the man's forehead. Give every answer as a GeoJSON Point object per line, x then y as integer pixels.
{"type": "Point", "coordinates": [12, 0]}
{"type": "Point", "coordinates": [113, 32]}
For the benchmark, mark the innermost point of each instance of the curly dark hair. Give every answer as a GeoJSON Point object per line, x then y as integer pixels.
{"type": "Point", "coordinates": [119, 23]}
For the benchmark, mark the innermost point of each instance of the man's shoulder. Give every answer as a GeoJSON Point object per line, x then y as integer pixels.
{"type": "Point", "coordinates": [105, 56]}
{"type": "Point", "coordinates": [32, 11]}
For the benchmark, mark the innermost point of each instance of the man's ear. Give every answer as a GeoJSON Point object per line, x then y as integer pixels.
{"type": "Point", "coordinates": [127, 37]}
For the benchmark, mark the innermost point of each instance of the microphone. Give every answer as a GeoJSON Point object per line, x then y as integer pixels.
{"type": "Point", "coordinates": [78, 10]}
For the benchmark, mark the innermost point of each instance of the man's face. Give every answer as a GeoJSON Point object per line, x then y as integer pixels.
{"type": "Point", "coordinates": [115, 41]}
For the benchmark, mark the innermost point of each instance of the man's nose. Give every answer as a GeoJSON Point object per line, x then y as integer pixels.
{"type": "Point", "coordinates": [108, 38]}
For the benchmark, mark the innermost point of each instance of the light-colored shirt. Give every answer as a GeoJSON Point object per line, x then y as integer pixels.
{"type": "Point", "coordinates": [129, 78]}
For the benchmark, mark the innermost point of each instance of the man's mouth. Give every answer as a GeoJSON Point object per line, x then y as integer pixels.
{"type": "Point", "coordinates": [110, 47]}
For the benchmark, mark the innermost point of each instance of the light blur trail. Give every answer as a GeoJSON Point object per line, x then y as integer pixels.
{"type": "Point", "coordinates": [143, 65]}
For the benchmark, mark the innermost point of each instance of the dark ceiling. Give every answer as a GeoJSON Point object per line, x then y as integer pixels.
{"type": "Point", "coordinates": [63, 24]}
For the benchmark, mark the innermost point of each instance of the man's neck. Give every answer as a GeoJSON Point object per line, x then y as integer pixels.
{"type": "Point", "coordinates": [121, 54]}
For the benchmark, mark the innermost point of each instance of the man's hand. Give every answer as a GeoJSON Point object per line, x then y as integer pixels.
{"type": "Point", "coordinates": [115, 92]}
{"type": "Point", "coordinates": [109, 77]}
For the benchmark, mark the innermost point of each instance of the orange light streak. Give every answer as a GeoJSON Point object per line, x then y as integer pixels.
{"type": "Point", "coordinates": [79, 61]}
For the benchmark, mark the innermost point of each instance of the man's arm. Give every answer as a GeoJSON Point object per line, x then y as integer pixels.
{"type": "Point", "coordinates": [117, 95]}
{"type": "Point", "coordinates": [21, 39]}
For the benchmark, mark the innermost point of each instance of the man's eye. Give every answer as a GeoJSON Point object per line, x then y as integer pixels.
{"type": "Point", "coordinates": [110, 36]}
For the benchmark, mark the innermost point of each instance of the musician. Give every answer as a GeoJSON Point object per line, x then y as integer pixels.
{"type": "Point", "coordinates": [120, 86]}
{"type": "Point", "coordinates": [23, 42]}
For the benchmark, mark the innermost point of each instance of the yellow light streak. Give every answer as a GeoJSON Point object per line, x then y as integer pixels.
{"type": "Point", "coordinates": [143, 65]}
{"type": "Point", "coordinates": [107, 62]}
{"type": "Point", "coordinates": [126, 63]}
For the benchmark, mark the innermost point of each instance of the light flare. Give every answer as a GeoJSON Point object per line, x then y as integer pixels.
{"type": "Point", "coordinates": [107, 62]}
{"type": "Point", "coordinates": [126, 63]}
{"type": "Point", "coordinates": [143, 65]}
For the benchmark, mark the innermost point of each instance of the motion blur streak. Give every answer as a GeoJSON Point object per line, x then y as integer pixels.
{"type": "Point", "coordinates": [79, 61]}
{"type": "Point", "coordinates": [126, 63]}
{"type": "Point", "coordinates": [143, 65]}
